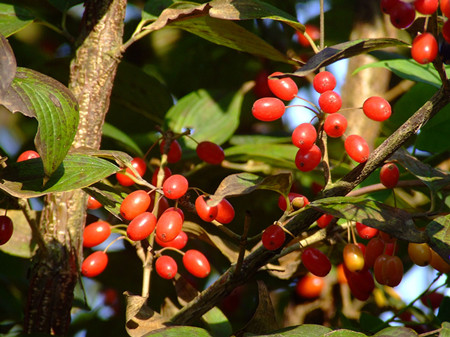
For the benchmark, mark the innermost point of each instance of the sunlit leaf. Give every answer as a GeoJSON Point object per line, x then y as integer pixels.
{"type": "Point", "coordinates": [13, 18]}
{"type": "Point", "coordinates": [21, 242]}
{"type": "Point", "coordinates": [304, 330]}
{"type": "Point", "coordinates": [141, 320]}
{"type": "Point", "coordinates": [111, 131]}
{"type": "Point", "coordinates": [108, 196]}
{"type": "Point", "coordinates": [438, 231]}
{"type": "Point", "coordinates": [397, 331]}
{"type": "Point", "coordinates": [178, 331]}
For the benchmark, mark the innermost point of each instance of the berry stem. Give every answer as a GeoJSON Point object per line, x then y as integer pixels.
{"type": "Point", "coordinates": [227, 231]}
{"type": "Point", "coordinates": [114, 241]}
{"type": "Point", "coordinates": [159, 252]}
{"type": "Point", "coordinates": [243, 243]}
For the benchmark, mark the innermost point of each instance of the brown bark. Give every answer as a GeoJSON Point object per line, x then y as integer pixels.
{"type": "Point", "coordinates": [56, 266]}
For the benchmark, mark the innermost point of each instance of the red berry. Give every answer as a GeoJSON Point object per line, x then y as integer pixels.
{"type": "Point", "coordinates": [330, 102]}
{"type": "Point", "coordinates": [432, 300]}
{"type": "Point", "coordinates": [210, 152]}
{"type": "Point", "coordinates": [419, 253]}
{"type": "Point", "coordinates": [174, 153]}
{"type": "Point", "coordinates": [361, 283]}
{"type": "Point", "coordinates": [445, 7]}
{"type": "Point", "coordinates": [166, 267]}
{"type": "Point", "coordinates": [304, 136]}
{"type": "Point", "coordinates": [261, 88]}
{"type": "Point", "coordinates": [92, 203]}
{"type": "Point", "coordinates": [96, 233]}
{"type": "Point", "coordinates": [313, 32]}
{"type": "Point", "coordinates": [310, 286]}
{"type": "Point", "coordinates": [341, 278]}
{"type": "Point", "coordinates": [387, 5]}
{"type": "Point", "coordinates": [268, 109]}
{"type": "Point", "coordinates": [139, 165]}
{"type": "Point", "coordinates": [273, 237]}
{"type": "Point", "coordinates": [438, 263]}
{"type": "Point", "coordinates": [179, 242]}
{"type": "Point", "coordinates": [225, 212]}
{"type": "Point", "coordinates": [175, 186]}
{"type": "Point", "coordinates": [141, 226]}
{"type": "Point", "coordinates": [135, 203]}
{"type": "Point", "coordinates": [353, 257]}
{"type": "Point", "coordinates": [205, 212]}
{"type": "Point", "coordinates": [375, 248]}
{"type": "Point", "coordinates": [176, 209]}
{"type": "Point", "coordinates": [30, 154]}
{"type": "Point", "coordinates": [196, 263]}
{"type": "Point", "coordinates": [446, 31]}
{"type": "Point", "coordinates": [282, 201]}
{"type": "Point", "coordinates": [308, 160]}
{"type": "Point", "coordinates": [169, 226]}
{"type": "Point", "coordinates": [324, 81]}
{"type": "Point", "coordinates": [316, 261]}
{"type": "Point", "coordinates": [6, 229]}
{"type": "Point", "coordinates": [167, 174]}
{"type": "Point", "coordinates": [284, 88]}
{"type": "Point", "coordinates": [324, 220]}
{"type": "Point", "coordinates": [424, 48]}
{"type": "Point", "coordinates": [357, 148]}
{"type": "Point", "coordinates": [388, 270]}
{"type": "Point", "coordinates": [389, 175]}
{"type": "Point", "coordinates": [402, 14]}
{"type": "Point", "coordinates": [94, 264]}
{"type": "Point", "coordinates": [335, 125]}
{"type": "Point", "coordinates": [365, 232]}
{"type": "Point", "coordinates": [426, 7]}
{"type": "Point", "coordinates": [377, 108]}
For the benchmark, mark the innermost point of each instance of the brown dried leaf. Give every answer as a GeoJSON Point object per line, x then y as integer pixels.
{"type": "Point", "coordinates": [8, 65]}
{"type": "Point", "coordinates": [287, 267]}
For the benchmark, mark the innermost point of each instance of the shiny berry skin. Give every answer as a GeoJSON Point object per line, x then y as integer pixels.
{"type": "Point", "coordinates": [174, 153]}
{"type": "Point", "coordinates": [353, 257]}
{"type": "Point", "coordinates": [324, 220]}
{"type": "Point", "coordinates": [374, 248]}
{"type": "Point", "coordinates": [30, 154]}
{"type": "Point", "coordinates": [313, 32]}
{"type": "Point", "coordinates": [402, 14]}
{"type": "Point", "coordinates": [357, 148]}
{"type": "Point", "coordinates": [273, 237]}
{"type": "Point", "coordinates": [135, 203]}
{"type": "Point", "coordinates": [310, 286]}
{"type": "Point", "coordinates": [6, 229]}
{"type": "Point", "coordinates": [446, 31]}
{"type": "Point", "coordinates": [96, 233]}
{"type": "Point", "coordinates": [169, 226]}
{"type": "Point", "coordinates": [308, 160]}
{"type": "Point", "coordinates": [361, 283]}
{"type": "Point", "coordinates": [324, 81]}
{"type": "Point", "coordinates": [445, 7]}
{"type": "Point", "coordinates": [387, 5]}
{"type": "Point", "coordinates": [176, 209]}
{"type": "Point", "coordinates": [341, 278]}
{"type": "Point", "coordinates": [426, 7]}
{"type": "Point", "coordinates": [225, 212]}
{"type": "Point", "coordinates": [139, 165]}
{"type": "Point", "coordinates": [284, 88]}
{"type": "Point", "coordinates": [94, 264]}
{"type": "Point", "coordinates": [389, 175]}
{"type": "Point", "coordinates": [268, 109]}
{"type": "Point", "coordinates": [166, 267]}
{"type": "Point", "coordinates": [304, 136]}
{"type": "Point", "coordinates": [377, 108]}
{"type": "Point", "coordinates": [179, 242]}
{"type": "Point", "coordinates": [141, 226]}
{"type": "Point", "coordinates": [335, 125]}
{"type": "Point", "coordinates": [388, 270]}
{"type": "Point", "coordinates": [419, 253]}
{"type": "Point", "coordinates": [438, 263]}
{"type": "Point", "coordinates": [282, 201]}
{"type": "Point", "coordinates": [316, 261]}
{"type": "Point", "coordinates": [330, 102]}
{"type": "Point", "coordinates": [432, 300]}
{"type": "Point", "coordinates": [424, 48]}
{"type": "Point", "coordinates": [196, 263]}
{"type": "Point", "coordinates": [167, 174]}
{"type": "Point", "coordinates": [92, 203]}
{"type": "Point", "coordinates": [175, 186]}
{"type": "Point", "coordinates": [205, 212]}
{"type": "Point", "coordinates": [365, 232]}
{"type": "Point", "coordinates": [210, 152]}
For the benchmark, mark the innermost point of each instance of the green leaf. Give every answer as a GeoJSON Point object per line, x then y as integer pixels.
{"type": "Point", "coordinates": [250, 10]}
{"type": "Point", "coordinates": [178, 331]}
{"type": "Point", "coordinates": [217, 323]}
{"type": "Point", "coordinates": [371, 323]}
{"type": "Point", "coordinates": [64, 5]}
{"type": "Point", "coordinates": [111, 131]}
{"type": "Point", "coordinates": [258, 139]}
{"type": "Point", "coordinates": [345, 333]}
{"type": "Point", "coordinates": [438, 231]}
{"type": "Point", "coordinates": [211, 116]}
{"type": "Point", "coordinates": [372, 213]}
{"type": "Point", "coordinates": [55, 108]}
{"type": "Point", "coordinates": [21, 243]}
{"type": "Point", "coordinates": [410, 70]}
{"type": "Point", "coordinates": [304, 330]}
{"type": "Point", "coordinates": [25, 179]}
{"type": "Point", "coordinates": [344, 50]}
{"type": "Point", "coordinates": [13, 18]}
{"type": "Point", "coordinates": [444, 314]}
{"type": "Point", "coordinates": [244, 183]}
{"type": "Point", "coordinates": [108, 196]}
{"type": "Point", "coordinates": [153, 9]}
{"type": "Point", "coordinates": [398, 331]}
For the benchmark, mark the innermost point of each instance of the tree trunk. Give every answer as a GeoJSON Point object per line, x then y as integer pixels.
{"type": "Point", "coordinates": [56, 266]}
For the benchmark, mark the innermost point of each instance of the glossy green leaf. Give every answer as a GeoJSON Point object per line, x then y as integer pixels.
{"type": "Point", "coordinates": [13, 18]}
{"type": "Point", "coordinates": [178, 331]}
{"type": "Point", "coordinates": [410, 70]}
{"type": "Point", "coordinates": [304, 330]}
{"type": "Point", "coordinates": [438, 231]}
{"type": "Point", "coordinates": [398, 331]}
{"type": "Point", "coordinates": [64, 5]}
{"type": "Point", "coordinates": [202, 107]}
{"type": "Point", "coordinates": [55, 108]}
{"type": "Point", "coordinates": [258, 139]}
{"type": "Point", "coordinates": [111, 131]}
{"type": "Point", "coordinates": [344, 50]}
{"type": "Point", "coordinates": [21, 242]}
{"type": "Point", "coordinates": [372, 213]}
{"type": "Point", "coordinates": [153, 8]}
{"type": "Point", "coordinates": [217, 323]}
{"type": "Point", "coordinates": [244, 183]}
{"type": "Point", "coordinates": [345, 333]}
{"type": "Point", "coordinates": [25, 179]}
{"type": "Point", "coordinates": [108, 196]}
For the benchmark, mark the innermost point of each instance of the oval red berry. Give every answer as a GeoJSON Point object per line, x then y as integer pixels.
{"type": "Point", "coordinates": [96, 233]}
{"type": "Point", "coordinates": [141, 226]}
{"type": "Point", "coordinates": [196, 263]}
{"type": "Point", "coordinates": [268, 109]}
